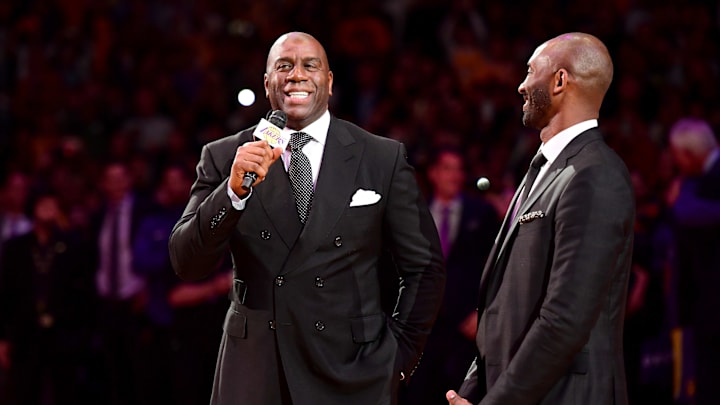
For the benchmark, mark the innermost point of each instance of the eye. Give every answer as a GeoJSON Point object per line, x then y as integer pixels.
{"type": "Point", "coordinates": [312, 67]}
{"type": "Point", "coordinates": [283, 67]}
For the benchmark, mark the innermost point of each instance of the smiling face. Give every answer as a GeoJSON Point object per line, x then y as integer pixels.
{"type": "Point", "coordinates": [298, 79]}
{"type": "Point", "coordinates": [535, 90]}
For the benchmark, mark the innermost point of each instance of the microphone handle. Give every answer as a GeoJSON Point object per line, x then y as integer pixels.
{"type": "Point", "coordinates": [248, 180]}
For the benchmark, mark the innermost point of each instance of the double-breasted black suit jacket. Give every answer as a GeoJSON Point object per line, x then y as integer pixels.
{"type": "Point", "coordinates": [307, 300]}
{"type": "Point", "coordinates": [553, 292]}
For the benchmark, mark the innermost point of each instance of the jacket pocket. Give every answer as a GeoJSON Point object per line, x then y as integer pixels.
{"type": "Point", "coordinates": [235, 323]}
{"type": "Point", "coordinates": [366, 329]}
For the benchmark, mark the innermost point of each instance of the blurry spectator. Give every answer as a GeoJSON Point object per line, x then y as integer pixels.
{"type": "Point", "coordinates": [45, 304]}
{"type": "Point", "coordinates": [467, 227]}
{"type": "Point", "coordinates": [186, 317]}
{"type": "Point", "coordinates": [647, 348]}
{"type": "Point", "coordinates": [121, 291]}
{"type": "Point", "coordinates": [13, 196]}
{"type": "Point", "coordinates": [697, 155]}
{"type": "Point", "coordinates": [151, 127]}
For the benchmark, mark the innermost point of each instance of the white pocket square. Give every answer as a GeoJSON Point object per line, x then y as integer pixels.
{"type": "Point", "coordinates": [364, 197]}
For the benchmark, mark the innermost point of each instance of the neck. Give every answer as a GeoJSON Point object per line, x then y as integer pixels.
{"type": "Point", "coordinates": [561, 122]}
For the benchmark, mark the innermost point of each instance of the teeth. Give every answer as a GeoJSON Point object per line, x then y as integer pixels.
{"type": "Point", "coordinates": [299, 94]}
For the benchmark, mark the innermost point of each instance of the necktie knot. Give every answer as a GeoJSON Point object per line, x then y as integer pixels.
{"type": "Point", "coordinates": [298, 140]}
{"type": "Point", "coordinates": [538, 161]}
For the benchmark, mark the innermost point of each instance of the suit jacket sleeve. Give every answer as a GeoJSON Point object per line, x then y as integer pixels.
{"type": "Point", "coordinates": [199, 240]}
{"type": "Point", "coordinates": [592, 235]}
{"type": "Point", "coordinates": [415, 247]}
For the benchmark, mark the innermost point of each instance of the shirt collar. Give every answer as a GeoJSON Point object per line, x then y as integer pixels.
{"type": "Point", "coordinates": [552, 148]}
{"type": "Point", "coordinates": [453, 205]}
{"type": "Point", "coordinates": [318, 129]}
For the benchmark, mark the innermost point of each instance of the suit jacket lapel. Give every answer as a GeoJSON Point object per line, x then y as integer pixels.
{"type": "Point", "coordinates": [553, 172]}
{"type": "Point", "coordinates": [333, 190]}
{"type": "Point", "coordinates": [276, 197]}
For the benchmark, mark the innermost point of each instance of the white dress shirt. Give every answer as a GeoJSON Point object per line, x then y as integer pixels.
{"type": "Point", "coordinates": [552, 148]}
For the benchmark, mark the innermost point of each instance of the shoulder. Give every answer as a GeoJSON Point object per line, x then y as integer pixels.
{"type": "Point", "coordinates": [589, 150]}
{"type": "Point", "coordinates": [379, 147]}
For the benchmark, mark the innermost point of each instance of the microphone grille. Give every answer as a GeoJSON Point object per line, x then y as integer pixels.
{"type": "Point", "coordinates": [278, 118]}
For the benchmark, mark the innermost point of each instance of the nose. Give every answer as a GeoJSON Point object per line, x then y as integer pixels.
{"type": "Point", "coordinates": [298, 73]}
{"type": "Point", "coordinates": [521, 87]}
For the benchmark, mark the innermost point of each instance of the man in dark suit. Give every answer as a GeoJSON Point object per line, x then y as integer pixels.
{"type": "Point", "coordinates": [306, 324]}
{"type": "Point", "coordinates": [553, 292]}
{"type": "Point", "coordinates": [467, 226]}
{"type": "Point", "coordinates": [121, 325]}
{"type": "Point", "coordinates": [45, 305]}
{"type": "Point", "coordinates": [696, 153]}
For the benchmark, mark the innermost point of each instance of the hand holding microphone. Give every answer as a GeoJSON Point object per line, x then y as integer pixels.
{"type": "Point", "coordinates": [253, 159]}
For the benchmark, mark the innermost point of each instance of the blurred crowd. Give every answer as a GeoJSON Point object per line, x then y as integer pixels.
{"type": "Point", "coordinates": [104, 105]}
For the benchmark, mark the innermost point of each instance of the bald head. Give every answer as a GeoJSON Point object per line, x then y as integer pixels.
{"type": "Point", "coordinates": [294, 37]}
{"type": "Point", "coordinates": [586, 58]}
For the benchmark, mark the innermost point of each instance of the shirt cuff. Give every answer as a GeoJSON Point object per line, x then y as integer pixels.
{"type": "Point", "coordinates": [237, 202]}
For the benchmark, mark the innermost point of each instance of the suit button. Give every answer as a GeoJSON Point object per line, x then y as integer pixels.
{"type": "Point", "coordinates": [338, 241]}
{"type": "Point", "coordinates": [265, 234]}
{"type": "Point", "coordinates": [271, 325]}
{"type": "Point", "coordinates": [319, 282]}
{"type": "Point", "coordinates": [320, 325]}
{"type": "Point", "coordinates": [279, 281]}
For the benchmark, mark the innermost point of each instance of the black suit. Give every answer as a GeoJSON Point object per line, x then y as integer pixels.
{"type": "Point", "coordinates": [306, 316]}
{"type": "Point", "coordinates": [553, 292]}
{"type": "Point", "coordinates": [121, 327]}
{"type": "Point", "coordinates": [448, 352]}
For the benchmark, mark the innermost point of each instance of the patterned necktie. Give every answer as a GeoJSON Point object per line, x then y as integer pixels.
{"type": "Point", "coordinates": [537, 162]}
{"type": "Point", "coordinates": [300, 174]}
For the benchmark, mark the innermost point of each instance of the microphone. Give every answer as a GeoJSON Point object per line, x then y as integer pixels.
{"type": "Point", "coordinates": [270, 130]}
{"type": "Point", "coordinates": [482, 183]}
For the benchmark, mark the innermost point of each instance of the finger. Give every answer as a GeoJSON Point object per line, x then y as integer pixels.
{"type": "Point", "coordinates": [276, 153]}
{"type": "Point", "coordinates": [247, 157]}
{"type": "Point", "coordinates": [454, 399]}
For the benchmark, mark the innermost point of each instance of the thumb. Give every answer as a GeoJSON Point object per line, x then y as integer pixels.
{"type": "Point", "coordinates": [454, 399]}
{"type": "Point", "coordinates": [276, 153]}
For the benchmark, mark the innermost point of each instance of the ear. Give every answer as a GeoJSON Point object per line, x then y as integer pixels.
{"type": "Point", "coordinates": [265, 84]}
{"type": "Point", "coordinates": [561, 80]}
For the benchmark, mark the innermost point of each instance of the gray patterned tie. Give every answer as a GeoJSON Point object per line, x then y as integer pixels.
{"type": "Point", "coordinates": [300, 174]}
